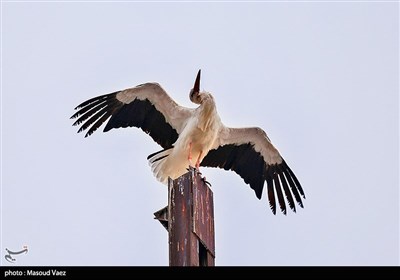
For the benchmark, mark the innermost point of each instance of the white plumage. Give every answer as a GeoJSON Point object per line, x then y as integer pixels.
{"type": "Point", "coordinates": [198, 134]}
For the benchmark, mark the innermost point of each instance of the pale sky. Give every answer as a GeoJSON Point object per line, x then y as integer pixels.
{"type": "Point", "coordinates": [321, 78]}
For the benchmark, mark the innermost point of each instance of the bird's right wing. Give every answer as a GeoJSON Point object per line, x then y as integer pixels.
{"type": "Point", "coordinates": [145, 106]}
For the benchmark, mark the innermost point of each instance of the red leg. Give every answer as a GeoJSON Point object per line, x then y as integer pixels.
{"type": "Point", "coordinates": [198, 161]}
{"type": "Point", "coordinates": [190, 154]}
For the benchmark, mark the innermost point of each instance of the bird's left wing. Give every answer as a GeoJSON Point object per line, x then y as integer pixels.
{"type": "Point", "coordinates": [250, 153]}
{"type": "Point", "coordinates": [145, 106]}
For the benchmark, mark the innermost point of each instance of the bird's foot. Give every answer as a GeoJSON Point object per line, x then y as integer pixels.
{"type": "Point", "coordinates": [191, 168]}
{"type": "Point", "coordinates": [194, 169]}
{"type": "Point", "coordinates": [204, 179]}
{"type": "Point", "coordinates": [197, 172]}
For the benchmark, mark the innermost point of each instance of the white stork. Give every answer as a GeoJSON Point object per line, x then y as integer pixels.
{"type": "Point", "coordinates": [186, 133]}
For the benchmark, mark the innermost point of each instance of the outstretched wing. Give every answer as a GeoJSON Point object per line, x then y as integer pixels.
{"type": "Point", "coordinates": [250, 153]}
{"type": "Point", "coordinates": [145, 106]}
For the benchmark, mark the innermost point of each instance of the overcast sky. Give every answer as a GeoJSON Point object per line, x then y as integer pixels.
{"type": "Point", "coordinates": [320, 78]}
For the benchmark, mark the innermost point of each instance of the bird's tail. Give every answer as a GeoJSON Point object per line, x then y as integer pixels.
{"type": "Point", "coordinates": [157, 161]}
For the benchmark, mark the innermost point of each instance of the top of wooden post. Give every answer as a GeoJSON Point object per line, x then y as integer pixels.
{"type": "Point", "coordinates": [189, 219]}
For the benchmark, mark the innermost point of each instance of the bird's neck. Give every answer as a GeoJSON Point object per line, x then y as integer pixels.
{"type": "Point", "coordinates": [207, 114]}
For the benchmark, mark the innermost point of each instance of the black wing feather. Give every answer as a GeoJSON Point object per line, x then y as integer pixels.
{"type": "Point", "coordinates": [285, 186]}
{"type": "Point", "coordinates": [293, 187]}
{"type": "Point", "coordinates": [85, 109]}
{"type": "Point", "coordinates": [271, 195]}
{"type": "Point", "coordinates": [279, 193]}
{"type": "Point", "coordinates": [295, 180]}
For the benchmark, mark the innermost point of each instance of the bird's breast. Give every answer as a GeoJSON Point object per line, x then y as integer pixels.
{"type": "Point", "coordinates": [200, 134]}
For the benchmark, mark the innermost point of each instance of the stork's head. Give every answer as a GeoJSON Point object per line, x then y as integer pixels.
{"type": "Point", "coordinates": [195, 95]}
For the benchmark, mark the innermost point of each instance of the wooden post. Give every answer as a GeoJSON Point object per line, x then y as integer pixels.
{"type": "Point", "coordinates": [189, 219]}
